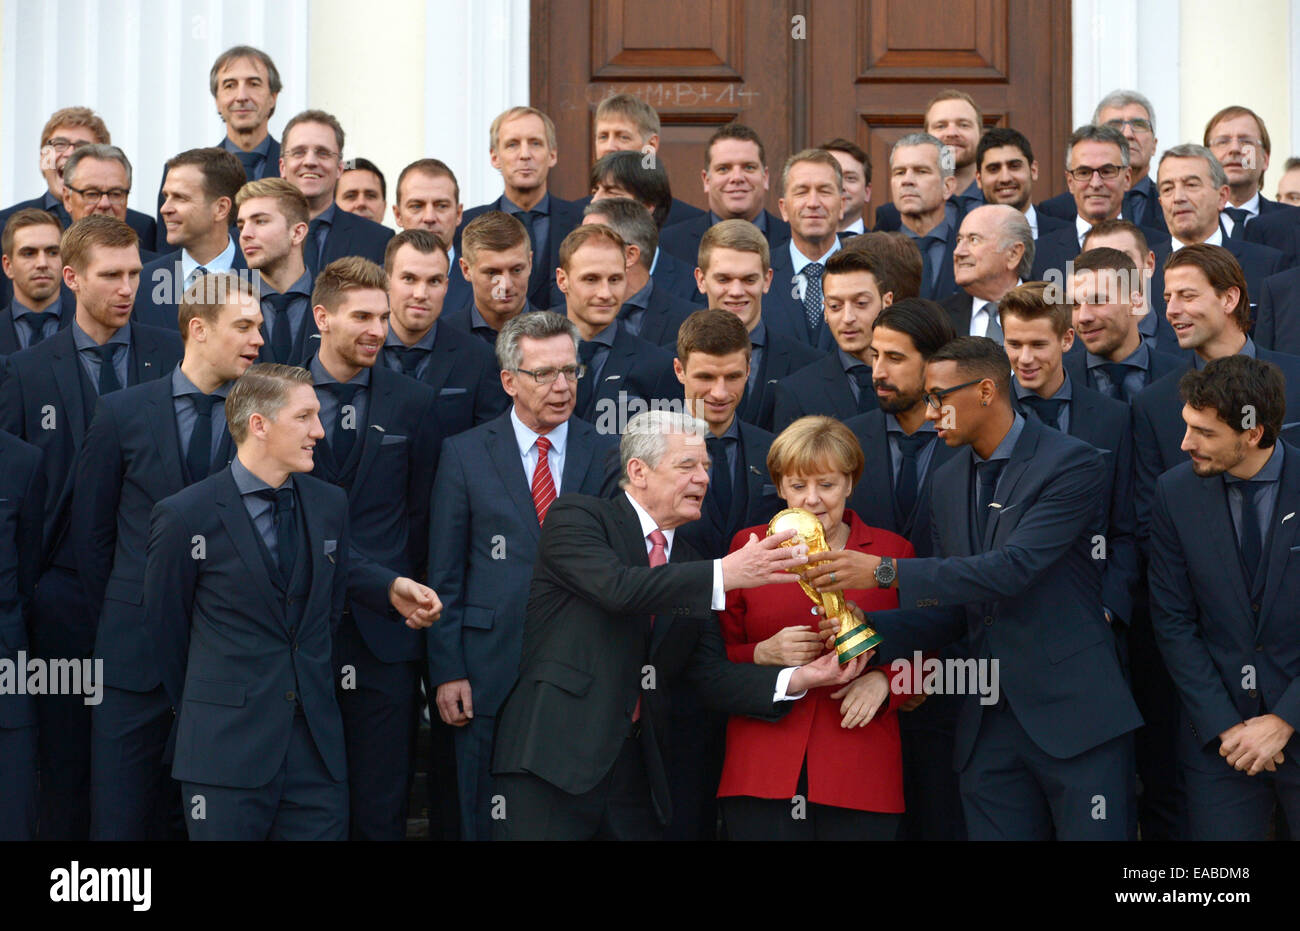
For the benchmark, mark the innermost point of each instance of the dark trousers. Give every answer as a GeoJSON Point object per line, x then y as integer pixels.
{"type": "Point", "coordinates": [764, 819]}
{"type": "Point", "coordinates": [697, 745]}
{"type": "Point", "coordinates": [18, 783]}
{"type": "Point", "coordinates": [618, 808]}
{"type": "Point", "coordinates": [1012, 790]}
{"type": "Point", "coordinates": [62, 627]}
{"type": "Point", "coordinates": [1226, 804]}
{"type": "Point", "coordinates": [302, 801]}
{"type": "Point", "coordinates": [1162, 796]}
{"type": "Point", "coordinates": [380, 714]}
{"type": "Point", "coordinates": [442, 791]}
{"type": "Point", "coordinates": [132, 793]}
{"type": "Point", "coordinates": [474, 776]}
{"type": "Point", "coordinates": [929, 780]}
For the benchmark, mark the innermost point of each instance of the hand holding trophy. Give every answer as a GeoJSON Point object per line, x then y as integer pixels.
{"type": "Point", "coordinates": [855, 637]}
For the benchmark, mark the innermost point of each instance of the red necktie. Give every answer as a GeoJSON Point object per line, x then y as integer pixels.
{"type": "Point", "coordinates": [658, 557]}
{"type": "Point", "coordinates": [543, 482]}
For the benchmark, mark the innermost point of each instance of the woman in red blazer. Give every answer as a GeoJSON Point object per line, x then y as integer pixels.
{"type": "Point", "coordinates": [836, 749]}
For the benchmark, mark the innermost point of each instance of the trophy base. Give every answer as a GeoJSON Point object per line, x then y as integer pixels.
{"type": "Point", "coordinates": [855, 642]}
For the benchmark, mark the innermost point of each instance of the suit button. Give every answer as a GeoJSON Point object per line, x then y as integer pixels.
{"type": "Point", "coordinates": [1253, 693]}
{"type": "Point", "coordinates": [1259, 648]}
{"type": "Point", "coordinates": [290, 696]}
{"type": "Point", "coordinates": [988, 620]}
{"type": "Point", "coordinates": [289, 601]}
{"type": "Point", "coordinates": [1255, 608]}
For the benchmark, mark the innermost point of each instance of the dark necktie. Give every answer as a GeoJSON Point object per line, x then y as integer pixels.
{"type": "Point", "coordinates": [1116, 372]}
{"type": "Point", "coordinates": [409, 358]}
{"type": "Point", "coordinates": [251, 161]}
{"type": "Point", "coordinates": [1251, 540]}
{"type": "Point", "coordinates": [35, 328]}
{"type": "Point", "coordinates": [987, 473]}
{"type": "Point", "coordinates": [281, 332]}
{"type": "Point", "coordinates": [317, 232]}
{"type": "Point", "coordinates": [108, 380]}
{"type": "Point", "coordinates": [1238, 215]}
{"type": "Point", "coordinates": [909, 472]}
{"type": "Point", "coordinates": [587, 384]}
{"type": "Point", "coordinates": [929, 266]}
{"type": "Point", "coordinates": [812, 295]}
{"type": "Point", "coordinates": [1047, 409]}
{"type": "Point", "coordinates": [198, 458]}
{"type": "Point", "coordinates": [194, 276]}
{"type": "Point", "coordinates": [543, 481]}
{"type": "Point", "coordinates": [286, 531]}
{"type": "Point", "coordinates": [861, 375]}
{"type": "Point", "coordinates": [720, 477]}
{"type": "Point", "coordinates": [345, 420]}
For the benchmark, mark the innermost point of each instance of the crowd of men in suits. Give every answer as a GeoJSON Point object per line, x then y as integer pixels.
{"type": "Point", "coordinates": [258, 443]}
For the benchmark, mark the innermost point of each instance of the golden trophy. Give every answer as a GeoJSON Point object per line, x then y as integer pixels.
{"type": "Point", "coordinates": [854, 638]}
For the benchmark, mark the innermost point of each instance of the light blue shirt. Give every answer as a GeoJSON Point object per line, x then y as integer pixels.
{"type": "Point", "coordinates": [222, 263]}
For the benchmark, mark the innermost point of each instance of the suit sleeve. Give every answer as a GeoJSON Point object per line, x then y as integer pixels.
{"type": "Point", "coordinates": [170, 578]}
{"type": "Point", "coordinates": [97, 492]}
{"type": "Point", "coordinates": [738, 688]}
{"type": "Point", "coordinates": [31, 526]}
{"type": "Point", "coordinates": [1065, 509]}
{"type": "Point", "coordinates": [11, 400]}
{"type": "Point", "coordinates": [1122, 573]}
{"type": "Point", "coordinates": [420, 471]}
{"type": "Point", "coordinates": [575, 551]}
{"type": "Point", "coordinates": [490, 399]}
{"type": "Point", "coordinates": [1147, 464]}
{"type": "Point", "coordinates": [1265, 335]}
{"type": "Point", "coordinates": [785, 407]}
{"type": "Point", "coordinates": [449, 551]}
{"type": "Point", "coordinates": [1174, 618]}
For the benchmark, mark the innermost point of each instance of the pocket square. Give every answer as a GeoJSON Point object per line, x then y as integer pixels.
{"type": "Point", "coordinates": [392, 438]}
{"type": "Point", "coordinates": [450, 392]}
{"type": "Point", "coordinates": [613, 377]}
{"type": "Point", "coordinates": [331, 546]}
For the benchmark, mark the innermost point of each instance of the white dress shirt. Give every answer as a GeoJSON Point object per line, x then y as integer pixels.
{"type": "Point", "coordinates": [718, 600]}
{"type": "Point", "coordinates": [1083, 227]}
{"type": "Point", "coordinates": [1031, 217]}
{"type": "Point", "coordinates": [1216, 239]}
{"type": "Point", "coordinates": [981, 311]}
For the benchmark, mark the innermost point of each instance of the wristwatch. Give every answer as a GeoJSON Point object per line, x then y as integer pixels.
{"type": "Point", "coordinates": [886, 572]}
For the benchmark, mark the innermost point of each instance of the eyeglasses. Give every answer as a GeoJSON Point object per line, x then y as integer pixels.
{"type": "Point", "coordinates": [61, 145]}
{"type": "Point", "coordinates": [301, 152]}
{"type": "Point", "coordinates": [117, 196]}
{"type": "Point", "coordinates": [547, 376]}
{"type": "Point", "coordinates": [1083, 174]}
{"type": "Point", "coordinates": [935, 398]}
{"type": "Point", "coordinates": [1139, 125]}
{"type": "Point", "coordinates": [1243, 142]}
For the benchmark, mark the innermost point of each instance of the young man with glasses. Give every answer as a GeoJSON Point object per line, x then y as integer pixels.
{"type": "Point", "coordinates": [494, 487]}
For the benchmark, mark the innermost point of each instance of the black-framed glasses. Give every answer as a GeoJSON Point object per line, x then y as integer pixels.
{"type": "Point", "coordinates": [1083, 174]}
{"type": "Point", "coordinates": [934, 399]}
{"type": "Point", "coordinates": [1139, 125]}
{"type": "Point", "coordinates": [116, 196]}
{"type": "Point", "coordinates": [61, 145]}
{"type": "Point", "coordinates": [547, 376]}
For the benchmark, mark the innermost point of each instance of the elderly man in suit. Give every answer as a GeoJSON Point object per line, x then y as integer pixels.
{"type": "Point", "coordinates": [994, 252]}
{"type": "Point", "coordinates": [493, 492]}
{"type": "Point", "coordinates": [247, 575]}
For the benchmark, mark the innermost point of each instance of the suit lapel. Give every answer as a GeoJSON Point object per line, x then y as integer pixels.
{"type": "Point", "coordinates": [613, 376]}
{"type": "Point", "coordinates": [67, 380]}
{"type": "Point", "coordinates": [142, 364]}
{"type": "Point", "coordinates": [835, 382]}
{"type": "Point", "coordinates": [1284, 529]}
{"type": "Point", "coordinates": [441, 360]}
{"type": "Point", "coordinates": [381, 396]}
{"type": "Point", "coordinates": [505, 457]}
{"type": "Point", "coordinates": [315, 541]}
{"type": "Point", "coordinates": [1015, 469]}
{"type": "Point", "coordinates": [162, 421]}
{"type": "Point", "coordinates": [234, 517]}
{"type": "Point", "coordinates": [578, 458]}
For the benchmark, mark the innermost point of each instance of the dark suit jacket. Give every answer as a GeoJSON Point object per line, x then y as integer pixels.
{"type": "Point", "coordinates": [1029, 595]}
{"type": "Point", "coordinates": [1105, 424]}
{"type": "Point", "coordinates": [388, 496]}
{"type": "Point", "coordinates": [959, 306]}
{"type": "Point", "coordinates": [305, 344]}
{"type": "Point", "coordinates": [1208, 625]}
{"type": "Point", "coordinates": [232, 664]}
{"type": "Point", "coordinates": [463, 371]}
{"type": "Point", "coordinates": [753, 502]}
{"type": "Point", "coordinates": [459, 291]}
{"type": "Point", "coordinates": [1049, 224]}
{"type": "Point", "coordinates": [664, 315]}
{"type": "Point", "coordinates": [22, 498]}
{"type": "Point", "coordinates": [1158, 431]}
{"type": "Point", "coordinates": [781, 357]}
{"type": "Point", "coordinates": [41, 401]}
{"type": "Point", "coordinates": [1277, 226]}
{"type": "Point", "coordinates": [131, 459]}
{"type": "Point", "coordinates": [887, 217]}
{"type": "Point", "coordinates": [819, 388]}
{"type": "Point", "coordinates": [678, 210]}
{"type": "Point", "coordinates": [1277, 317]}
{"type": "Point", "coordinates": [351, 235]}
{"type": "Point", "coordinates": [1063, 207]}
{"type": "Point", "coordinates": [783, 309]}
{"type": "Point", "coordinates": [162, 285]}
{"type": "Point", "coordinates": [159, 242]}
{"type": "Point", "coordinates": [1162, 363]}
{"type": "Point", "coordinates": [67, 309]}
{"type": "Point", "coordinates": [677, 278]}
{"type": "Point", "coordinates": [683, 239]}
{"type": "Point", "coordinates": [873, 496]}
{"type": "Point", "coordinates": [564, 216]}
{"type": "Point", "coordinates": [589, 639]}
{"type": "Point", "coordinates": [483, 544]}
{"type": "Point", "coordinates": [634, 368]}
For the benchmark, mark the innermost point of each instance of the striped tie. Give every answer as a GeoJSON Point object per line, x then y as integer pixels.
{"type": "Point", "coordinates": [543, 482]}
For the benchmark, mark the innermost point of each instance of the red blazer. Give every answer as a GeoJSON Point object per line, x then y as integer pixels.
{"type": "Point", "coordinates": [860, 768]}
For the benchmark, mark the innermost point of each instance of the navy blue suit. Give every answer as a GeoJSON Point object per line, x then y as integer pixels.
{"type": "Point", "coordinates": [459, 291]}
{"type": "Point", "coordinates": [66, 309]}
{"type": "Point", "coordinates": [1161, 364]}
{"type": "Point", "coordinates": [131, 459]}
{"type": "Point", "coordinates": [634, 368]}
{"type": "Point", "coordinates": [677, 278]}
{"type": "Point", "coordinates": [1053, 250]}
{"type": "Point", "coordinates": [1277, 316]}
{"type": "Point", "coordinates": [247, 659]}
{"type": "Point", "coordinates": [482, 546]}
{"type": "Point", "coordinates": [683, 239]}
{"type": "Point", "coordinates": [22, 493]}
{"type": "Point", "coordinates": [664, 315]}
{"type": "Point", "coordinates": [271, 170]}
{"type": "Point", "coordinates": [1215, 625]}
{"type": "Point", "coordinates": [162, 286]}
{"type": "Point", "coordinates": [388, 478]}
{"type": "Point", "coordinates": [754, 500]}
{"type": "Point", "coordinates": [819, 388]}
{"type": "Point", "coordinates": [783, 308]}
{"type": "Point", "coordinates": [1027, 594]}
{"type": "Point", "coordinates": [781, 357]}
{"type": "Point", "coordinates": [678, 210]}
{"type": "Point", "coordinates": [1277, 226]}
{"type": "Point", "coordinates": [564, 216]}
{"type": "Point", "coordinates": [349, 234]}
{"type": "Point", "coordinates": [44, 396]}
{"type": "Point", "coordinates": [1063, 206]}
{"type": "Point", "coordinates": [463, 372]}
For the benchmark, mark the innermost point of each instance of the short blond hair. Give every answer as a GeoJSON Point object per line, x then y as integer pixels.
{"type": "Point", "coordinates": [494, 133]}
{"type": "Point", "coordinates": [291, 201]}
{"type": "Point", "coordinates": [585, 234]}
{"type": "Point", "coordinates": [815, 444]}
{"type": "Point", "coordinates": [208, 294]}
{"type": "Point", "coordinates": [263, 389]}
{"type": "Point", "coordinates": [739, 235]}
{"type": "Point", "coordinates": [350, 273]}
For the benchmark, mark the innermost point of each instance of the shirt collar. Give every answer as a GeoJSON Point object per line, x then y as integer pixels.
{"type": "Point", "coordinates": [424, 342]}
{"type": "Point", "coordinates": [854, 228]}
{"type": "Point", "coordinates": [82, 340]}
{"type": "Point", "coordinates": [327, 215]}
{"type": "Point", "coordinates": [222, 263]}
{"type": "Point", "coordinates": [22, 310]}
{"type": "Point", "coordinates": [1008, 442]}
{"type": "Point", "coordinates": [1271, 471]}
{"type": "Point", "coordinates": [800, 261]}
{"type": "Point", "coordinates": [543, 206]}
{"type": "Point", "coordinates": [1139, 358]}
{"type": "Point", "coordinates": [1247, 350]}
{"type": "Point", "coordinates": [526, 439]}
{"type": "Point", "coordinates": [1063, 393]}
{"type": "Point", "coordinates": [606, 336]}
{"type": "Point", "coordinates": [655, 261]}
{"type": "Point", "coordinates": [246, 482]}
{"type": "Point", "coordinates": [1251, 206]}
{"type": "Point", "coordinates": [1031, 217]}
{"type": "Point", "coordinates": [641, 298]}
{"type": "Point", "coordinates": [181, 385]}
{"type": "Point", "coordinates": [893, 426]}
{"type": "Point", "coordinates": [648, 525]}
{"type": "Point", "coordinates": [940, 230]}
{"type": "Point", "coordinates": [760, 221]}
{"type": "Point", "coordinates": [1216, 239]}
{"type": "Point", "coordinates": [262, 148]}
{"type": "Point", "coordinates": [321, 376]}
{"type": "Point", "coordinates": [301, 286]}
{"type": "Point", "coordinates": [848, 361]}
{"type": "Point", "coordinates": [758, 337]}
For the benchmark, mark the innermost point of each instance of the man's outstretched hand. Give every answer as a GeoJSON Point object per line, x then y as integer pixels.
{"type": "Point", "coordinates": [763, 562]}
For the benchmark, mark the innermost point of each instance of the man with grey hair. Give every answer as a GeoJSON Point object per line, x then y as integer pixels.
{"type": "Point", "coordinates": [495, 484]}
{"type": "Point", "coordinates": [97, 179]}
{"type": "Point", "coordinates": [1131, 114]}
{"type": "Point", "coordinates": [1193, 191]}
{"type": "Point", "coordinates": [618, 615]}
{"type": "Point", "coordinates": [1097, 172]}
{"type": "Point", "coordinates": [920, 182]}
{"type": "Point", "coordinates": [994, 253]}
{"type": "Point", "coordinates": [651, 313]}
{"type": "Point", "coordinates": [812, 202]}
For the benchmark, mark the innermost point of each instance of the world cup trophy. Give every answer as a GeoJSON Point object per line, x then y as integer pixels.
{"type": "Point", "coordinates": [854, 638]}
